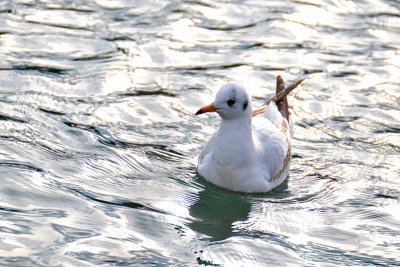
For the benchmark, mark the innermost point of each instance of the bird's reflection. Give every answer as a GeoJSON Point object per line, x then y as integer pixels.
{"type": "Point", "coordinates": [216, 211]}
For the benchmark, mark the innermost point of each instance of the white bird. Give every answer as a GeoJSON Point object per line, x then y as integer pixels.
{"type": "Point", "coordinates": [251, 150]}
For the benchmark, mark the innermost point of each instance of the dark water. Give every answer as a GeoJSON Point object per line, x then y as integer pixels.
{"type": "Point", "coordinates": [98, 142]}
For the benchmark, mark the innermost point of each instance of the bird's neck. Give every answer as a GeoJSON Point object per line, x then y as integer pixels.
{"type": "Point", "coordinates": [236, 127]}
{"type": "Point", "coordinates": [235, 140]}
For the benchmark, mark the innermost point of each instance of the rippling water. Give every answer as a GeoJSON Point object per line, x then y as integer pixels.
{"type": "Point", "coordinates": [98, 142]}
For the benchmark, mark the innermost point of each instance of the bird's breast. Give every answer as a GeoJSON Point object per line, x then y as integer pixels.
{"type": "Point", "coordinates": [232, 152]}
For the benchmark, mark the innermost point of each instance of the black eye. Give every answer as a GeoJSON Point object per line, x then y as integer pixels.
{"type": "Point", "coordinates": [231, 102]}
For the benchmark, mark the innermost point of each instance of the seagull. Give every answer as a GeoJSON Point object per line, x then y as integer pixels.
{"type": "Point", "coordinates": [251, 150]}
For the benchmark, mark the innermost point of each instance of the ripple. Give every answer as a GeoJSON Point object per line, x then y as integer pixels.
{"type": "Point", "coordinates": [20, 261]}
{"type": "Point", "coordinates": [98, 141]}
{"type": "Point", "coordinates": [65, 18]}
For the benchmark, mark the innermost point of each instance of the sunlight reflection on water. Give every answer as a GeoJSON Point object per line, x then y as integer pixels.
{"type": "Point", "coordinates": [98, 141]}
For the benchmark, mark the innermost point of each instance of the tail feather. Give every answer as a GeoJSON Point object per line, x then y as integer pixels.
{"type": "Point", "coordinates": [282, 104]}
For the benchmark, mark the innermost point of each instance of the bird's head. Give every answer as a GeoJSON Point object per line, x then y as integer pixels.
{"type": "Point", "coordinates": [231, 101]}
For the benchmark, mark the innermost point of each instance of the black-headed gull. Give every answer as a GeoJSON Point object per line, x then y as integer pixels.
{"type": "Point", "coordinates": [251, 150]}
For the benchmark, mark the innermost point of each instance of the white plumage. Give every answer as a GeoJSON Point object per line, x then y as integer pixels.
{"type": "Point", "coordinates": [246, 153]}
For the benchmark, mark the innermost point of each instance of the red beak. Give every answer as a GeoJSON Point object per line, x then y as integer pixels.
{"type": "Point", "coordinates": [208, 108]}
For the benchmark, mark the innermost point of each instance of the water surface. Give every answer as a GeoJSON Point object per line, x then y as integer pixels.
{"type": "Point", "coordinates": [98, 141]}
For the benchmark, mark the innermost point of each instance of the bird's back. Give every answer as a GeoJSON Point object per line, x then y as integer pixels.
{"type": "Point", "coordinates": [273, 141]}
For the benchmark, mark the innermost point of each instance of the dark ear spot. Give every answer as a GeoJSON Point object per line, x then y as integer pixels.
{"type": "Point", "coordinates": [245, 104]}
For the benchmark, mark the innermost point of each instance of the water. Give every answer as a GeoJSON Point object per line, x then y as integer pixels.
{"type": "Point", "coordinates": [98, 141]}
